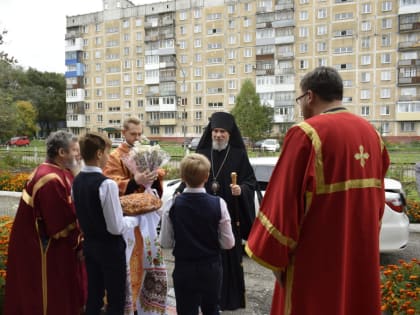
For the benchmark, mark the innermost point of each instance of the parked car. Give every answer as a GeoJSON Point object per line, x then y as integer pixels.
{"type": "Point", "coordinates": [256, 146]}
{"type": "Point", "coordinates": [19, 141]}
{"type": "Point", "coordinates": [394, 230]}
{"type": "Point", "coordinates": [193, 144]}
{"type": "Point", "coordinates": [271, 145]}
{"type": "Point", "coordinates": [116, 142]}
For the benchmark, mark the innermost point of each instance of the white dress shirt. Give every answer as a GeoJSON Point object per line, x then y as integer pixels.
{"type": "Point", "coordinates": [116, 223]}
{"type": "Point", "coordinates": [226, 237]}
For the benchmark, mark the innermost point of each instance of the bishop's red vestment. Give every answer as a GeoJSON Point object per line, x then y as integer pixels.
{"type": "Point", "coordinates": [320, 218]}
{"type": "Point", "coordinates": [43, 270]}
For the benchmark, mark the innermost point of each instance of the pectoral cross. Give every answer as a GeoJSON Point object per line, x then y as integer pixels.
{"type": "Point", "coordinates": [362, 156]}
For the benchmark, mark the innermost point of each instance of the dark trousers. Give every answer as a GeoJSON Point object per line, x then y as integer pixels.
{"type": "Point", "coordinates": [107, 271]}
{"type": "Point", "coordinates": [197, 284]}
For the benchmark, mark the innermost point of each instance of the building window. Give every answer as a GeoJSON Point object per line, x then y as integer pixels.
{"type": "Point", "coordinates": [322, 13]}
{"type": "Point", "coordinates": [386, 6]}
{"type": "Point", "coordinates": [386, 23]}
{"type": "Point", "coordinates": [303, 15]}
{"type": "Point", "coordinates": [198, 86]}
{"type": "Point", "coordinates": [386, 40]}
{"type": "Point", "coordinates": [366, 8]}
{"type": "Point", "coordinates": [386, 58]}
{"type": "Point", "coordinates": [322, 62]}
{"type": "Point", "coordinates": [303, 48]}
{"type": "Point", "coordinates": [408, 126]}
{"type": "Point", "coordinates": [247, 52]}
{"type": "Point", "coordinates": [303, 64]}
{"type": "Point", "coordinates": [303, 31]}
{"type": "Point", "coordinates": [197, 13]}
{"type": "Point", "coordinates": [384, 127]}
{"type": "Point", "coordinates": [197, 43]}
{"type": "Point", "coordinates": [247, 68]}
{"type": "Point", "coordinates": [197, 57]}
{"type": "Point", "coordinates": [99, 118]}
{"type": "Point", "coordinates": [183, 15]}
{"type": "Point", "coordinates": [247, 37]}
{"type": "Point", "coordinates": [197, 28]}
{"type": "Point", "coordinates": [365, 60]}
{"type": "Point", "coordinates": [364, 94]}
{"type": "Point", "coordinates": [198, 100]}
{"type": "Point", "coordinates": [198, 115]}
{"type": "Point", "coordinates": [232, 39]}
{"type": "Point", "coordinates": [366, 42]}
{"type": "Point", "coordinates": [386, 75]}
{"type": "Point", "coordinates": [366, 26]}
{"type": "Point", "coordinates": [322, 30]}
{"type": "Point", "coordinates": [231, 8]}
{"type": "Point", "coordinates": [365, 77]}
{"type": "Point", "coordinates": [365, 111]}
{"type": "Point", "coordinates": [385, 92]}
{"type": "Point", "coordinates": [232, 84]}
{"type": "Point", "coordinates": [384, 110]}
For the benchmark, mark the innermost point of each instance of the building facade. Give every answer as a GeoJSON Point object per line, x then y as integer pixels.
{"type": "Point", "coordinates": [172, 64]}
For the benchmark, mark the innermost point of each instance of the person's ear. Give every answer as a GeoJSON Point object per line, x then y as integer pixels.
{"type": "Point", "coordinates": [99, 154]}
{"type": "Point", "coordinates": [61, 152]}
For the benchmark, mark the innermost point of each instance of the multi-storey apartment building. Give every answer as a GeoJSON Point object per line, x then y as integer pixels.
{"type": "Point", "coordinates": [174, 63]}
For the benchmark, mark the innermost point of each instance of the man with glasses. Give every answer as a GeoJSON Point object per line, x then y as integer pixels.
{"type": "Point", "coordinates": [318, 225]}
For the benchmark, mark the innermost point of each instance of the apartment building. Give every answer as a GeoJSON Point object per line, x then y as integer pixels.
{"type": "Point", "coordinates": [172, 64]}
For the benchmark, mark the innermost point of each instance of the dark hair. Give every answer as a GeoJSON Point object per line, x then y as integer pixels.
{"type": "Point", "coordinates": [324, 82]}
{"type": "Point", "coordinates": [91, 142]}
{"type": "Point", "coordinates": [59, 140]}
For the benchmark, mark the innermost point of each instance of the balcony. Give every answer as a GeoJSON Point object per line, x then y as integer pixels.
{"type": "Point", "coordinates": [77, 121]}
{"type": "Point", "coordinates": [408, 45]}
{"type": "Point", "coordinates": [408, 62]}
{"type": "Point", "coordinates": [264, 72]}
{"type": "Point", "coordinates": [408, 80]}
{"type": "Point", "coordinates": [284, 6]}
{"type": "Point", "coordinates": [409, 27]}
{"type": "Point", "coordinates": [75, 44]}
{"type": "Point", "coordinates": [285, 39]}
{"type": "Point", "coordinates": [74, 96]}
{"type": "Point", "coordinates": [407, 98]}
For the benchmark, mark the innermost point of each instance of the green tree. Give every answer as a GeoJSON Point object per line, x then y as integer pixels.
{"type": "Point", "coordinates": [253, 119]}
{"type": "Point", "coordinates": [26, 118]}
{"type": "Point", "coordinates": [4, 56]}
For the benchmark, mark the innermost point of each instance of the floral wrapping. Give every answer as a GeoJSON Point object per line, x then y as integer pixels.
{"type": "Point", "coordinates": [144, 157]}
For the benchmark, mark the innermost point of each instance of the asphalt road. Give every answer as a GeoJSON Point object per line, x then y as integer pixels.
{"type": "Point", "coordinates": [259, 281]}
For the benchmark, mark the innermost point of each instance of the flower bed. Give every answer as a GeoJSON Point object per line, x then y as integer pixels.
{"type": "Point", "coordinates": [13, 182]}
{"type": "Point", "coordinates": [401, 288]}
{"type": "Point", "coordinates": [6, 223]}
{"type": "Point", "coordinates": [413, 211]}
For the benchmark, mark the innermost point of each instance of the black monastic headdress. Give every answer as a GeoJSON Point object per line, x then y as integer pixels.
{"type": "Point", "coordinates": [225, 121]}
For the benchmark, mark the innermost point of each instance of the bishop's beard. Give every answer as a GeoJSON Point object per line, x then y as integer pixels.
{"type": "Point", "coordinates": [219, 146]}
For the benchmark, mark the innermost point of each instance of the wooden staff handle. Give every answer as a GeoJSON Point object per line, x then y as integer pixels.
{"type": "Point", "coordinates": [234, 177]}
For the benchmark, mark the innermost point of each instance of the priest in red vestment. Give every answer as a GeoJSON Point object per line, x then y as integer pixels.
{"type": "Point", "coordinates": [319, 222]}
{"type": "Point", "coordinates": [45, 266]}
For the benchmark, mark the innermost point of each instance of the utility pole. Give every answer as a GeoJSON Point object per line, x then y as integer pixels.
{"type": "Point", "coordinates": [179, 102]}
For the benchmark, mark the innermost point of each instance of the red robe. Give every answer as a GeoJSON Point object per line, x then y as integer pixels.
{"type": "Point", "coordinates": [44, 274]}
{"type": "Point", "coordinates": [320, 218]}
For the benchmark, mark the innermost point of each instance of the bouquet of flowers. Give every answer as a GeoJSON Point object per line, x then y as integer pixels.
{"type": "Point", "coordinates": [144, 157]}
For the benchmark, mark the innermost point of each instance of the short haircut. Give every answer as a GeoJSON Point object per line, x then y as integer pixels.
{"type": "Point", "coordinates": [195, 169]}
{"type": "Point", "coordinates": [324, 82]}
{"type": "Point", "coordinates": [91, 142]}
{"type": "Point", "coordinates": [59, 140]}
{"type": "Point", "coordinates": [131, 120]}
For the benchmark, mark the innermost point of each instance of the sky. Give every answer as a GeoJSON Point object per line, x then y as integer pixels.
{"type": "Point", "coordinates": [36, 30]}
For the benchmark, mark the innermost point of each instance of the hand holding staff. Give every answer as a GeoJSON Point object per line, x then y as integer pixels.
{"type": "Point", "coordinates": [236, 189]}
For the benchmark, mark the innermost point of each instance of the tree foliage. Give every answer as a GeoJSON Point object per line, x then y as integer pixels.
{"type": "Point", "coordinates": [26, 118]}
{"type": "Point", "coordinates": [4, 56]}
{"type": "Point", "coordinates": [43, 91]}
{"type": "Point", "coordinates": [253, 119]}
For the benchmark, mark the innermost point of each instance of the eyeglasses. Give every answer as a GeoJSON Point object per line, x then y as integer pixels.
{"type": "Point", "coordinates": [300, 97]}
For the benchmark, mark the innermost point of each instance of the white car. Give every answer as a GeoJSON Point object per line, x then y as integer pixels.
{"type": "Point", "coordinates": [395, 224]}
{"type": "Point", "coordinates": [271, 145]}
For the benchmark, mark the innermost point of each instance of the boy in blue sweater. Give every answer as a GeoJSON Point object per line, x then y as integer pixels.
{"type": "Point", "coordinates": [101, 219]}
{"type": "Point", "coordinates": [197, 226]}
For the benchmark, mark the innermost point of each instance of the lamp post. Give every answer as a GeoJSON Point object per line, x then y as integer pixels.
{"type": "Point", "coordinates": [180, 102]}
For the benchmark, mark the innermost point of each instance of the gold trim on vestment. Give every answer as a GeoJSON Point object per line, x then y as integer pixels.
{"type": "Point", "coordinates": [274, 232]}
{"type": "Point", "coordinates": [64, 232]}
{"type": "Point", "coordinates": [289, 286]}
{"type": "Point", "coordinates": [44, 277]}
{"type": "Point", "coordinates": [250, 253]}
{"type": "Point", "coordinates": [29, 200]}
{"type": "Point", "coordinates": [321, 187]}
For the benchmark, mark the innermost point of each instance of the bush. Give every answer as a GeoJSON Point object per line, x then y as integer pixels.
{"type": "Point", "coordinates": [6, 223]}
{"type": "Point", "coordinates": [413, 211]}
